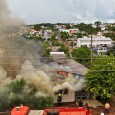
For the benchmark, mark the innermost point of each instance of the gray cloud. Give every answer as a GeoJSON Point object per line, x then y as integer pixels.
{"type": "Point", "coordinates": [39, 11]}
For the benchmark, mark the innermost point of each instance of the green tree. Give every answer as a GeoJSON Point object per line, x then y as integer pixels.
{"type": "Point", "coordinates": [16, 94]}
{"type": "Point", "coordinates": [47, 50]}
{"type": "Point", "coordinates": [37, 27]}
{"type": "Point", "coordinates": [110, 35]}
{"type": "Point", "coordinates": [111, 28]}
{"type": "Point", "coordinates": [63, 48]}
{"type": "Point", "coordinates": [55, 43]}
{"type": "Point", "coordinates": [68, 26]}
{"type": "Point", "coordinates": [82, 55]}
{"type": "Point", "coordinates": [79, 35]}
{"type": "Point", "coordinates": [111, 50]}
{"type": "Point", "coordinates": [100, 79]}
{"type": "Point", "coordinates": [17, 86]}
{"type": "Point", "coordinates": [53, 37]}
{"type": "Point", "coordinates": [46, 44]}
{"type": "Point", "coordinates": [97, 23]}
{"type": "Point", "coordinates": [87, 28]}
{"type": "Point", "coordinates": [47, 25]}
{"type": "Point", "coordinates": [64, 35]}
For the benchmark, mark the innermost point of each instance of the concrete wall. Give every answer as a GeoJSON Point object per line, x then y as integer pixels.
{"type": "Point", "coordinates": [70, 97]}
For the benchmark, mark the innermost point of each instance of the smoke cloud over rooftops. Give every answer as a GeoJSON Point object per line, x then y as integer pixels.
{"type": "Point", "coordinates": [19, 58]}
{"type": "Point", "coordinates": [6, 17]}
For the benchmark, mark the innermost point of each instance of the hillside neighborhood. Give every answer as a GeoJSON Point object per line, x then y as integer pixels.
{"type": "Point", "coordinates": [81, 43]}
{"type": "Point", "coordinates": [64, 40]}
{"type": "Point", "coordinates": [67, 37]}
{"type": "Point", "coordinates": [74, 60]}
{"type": "Point", "coordinates": [57, 57]}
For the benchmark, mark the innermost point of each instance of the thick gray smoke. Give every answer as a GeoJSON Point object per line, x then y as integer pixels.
{"type": "Point", "coordinates": [14, 51]}
{"type": "Point", "coordinates": [7, 19]}
{"type": "Point", "coordinates": [35, 76]}
{"type": "Point", "coordinates": [19, 58]}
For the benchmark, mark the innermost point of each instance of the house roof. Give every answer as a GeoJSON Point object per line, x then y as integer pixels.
{"type": "Point", "coordinates": [94, 39]}
{"type": "Point", "coordinates": [69, 65]}
{"type": "Point", "coordinates": [57, 53]}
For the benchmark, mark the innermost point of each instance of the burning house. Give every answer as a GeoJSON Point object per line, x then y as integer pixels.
{"type": "Point", "coordinates": [20, 58]}
{"type": "Point", "coordinates": [70, 81]}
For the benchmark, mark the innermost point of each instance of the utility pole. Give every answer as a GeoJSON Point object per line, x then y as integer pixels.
{"type": "Point", "coordinates": [91, 45]}
{"type": "Point", "coordinates": [73, 43]}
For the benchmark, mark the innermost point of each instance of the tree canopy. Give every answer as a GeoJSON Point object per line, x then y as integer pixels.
{"type": "Point", "coordinates": [87, 28]}
{"type": "Point", "coordinates": [64, 35]}
{"type": "Point", "coordinates": [110, 35]}
{"type": "Point", "coordinates": [111, 50]}
{"type": "Point", "coordinates": [19, 91]}
{"type": "Point", "coordinates": [82, 55]}
{"type": "Point", "coordinates": [100, 78]}
{"type": "Point", "coordinates": [63, 48]}
{"type": "Point", "coordinates": [97, 23]}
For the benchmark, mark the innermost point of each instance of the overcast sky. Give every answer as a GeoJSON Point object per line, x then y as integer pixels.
{"type": "Point", "coordinates": [68, 11]}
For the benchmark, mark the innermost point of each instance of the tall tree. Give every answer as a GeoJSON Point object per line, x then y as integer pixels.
{"type": "Point", "coordinates": [63, 48]}
{"type": "Point", "coordinates": [64, 35]}
{"type": "Point", "coordinates": [100, 78]}
{"type": "Point", "coordinates": [82, 55]}
{"type": "Point", "coordinates": [97, 23]}
{"type": "Point", "coordinates": [111, 50]}
{"type": "Point", "coordinates": [110, 35]}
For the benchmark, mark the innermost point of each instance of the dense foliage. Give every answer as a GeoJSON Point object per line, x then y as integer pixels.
{"type": "Point", "coordinates": [88, 28]}
{"type": "Point", "coordinates": [64, 35]}
{"type": "Point", "coordinates": [18, 92]}
{"type": "Point", "coordinates": [100, 78]}
{"type": "Point", "coordinates": [46, 25]}
{"type": "Point", "coordinates": [110, 35]}
{"type": "Point", "coordinates": [111, 50]}
{"type": "Point", "coordinates": [82, 55]}
{"type": "Point", "coordinates": [63, 48]}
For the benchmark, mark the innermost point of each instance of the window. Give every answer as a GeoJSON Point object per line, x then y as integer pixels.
{"type": "Point", "coordinates": [65, 91]}
{"type": "Point", "coordinates": [62, 91]}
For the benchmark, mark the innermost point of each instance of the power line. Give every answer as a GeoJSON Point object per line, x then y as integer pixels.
{"type": "Point", "coordinates": [52, 57]}
{"type": "Point", "coordinates": [58, 70]}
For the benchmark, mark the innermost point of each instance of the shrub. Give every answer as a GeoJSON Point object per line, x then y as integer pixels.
{"type": "Point", "coordinates": [14, 95]}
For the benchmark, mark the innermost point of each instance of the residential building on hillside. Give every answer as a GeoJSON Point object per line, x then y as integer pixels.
{"type": "Point", "coordinates": [72, 42]}
{"type": "Point", "coordinates": [54, 48]}
{"type": "Point", "coordinates": [32, 31]}
{"type": "Point", "coordinates": [70, 31]}
{"type": "Point", "coordinates": [95, 42]}
{"type": "Point", "coordinates": [57, 54]}
{"type": "Point", "coordinates": [47, 34]}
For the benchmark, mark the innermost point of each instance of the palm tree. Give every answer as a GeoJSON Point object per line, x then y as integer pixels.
{"type": "Point", "coordinates": [97, 23]}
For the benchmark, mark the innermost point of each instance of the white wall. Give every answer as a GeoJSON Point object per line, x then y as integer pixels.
{"type": "Point", "coordinates": [70, 97]}
{"type": "Point", "coordinates": [95, 41]}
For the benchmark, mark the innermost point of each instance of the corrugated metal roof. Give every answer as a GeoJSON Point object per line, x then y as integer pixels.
{"type": "Point", "coordinates": [69, 65]}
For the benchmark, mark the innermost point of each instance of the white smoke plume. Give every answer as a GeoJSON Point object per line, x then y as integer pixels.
{"type": "Point", "coordinates": [14, 50]}
{"type": "Point", "coordinates": [79, 85]}
{"type": "Point", "coordinates": [19, 58]}
{"type": "Point", "coordinates": [3, 77]}
{"type": "Point", "coordinates": [7, 19]}
{"type": "Point", "coordinates": [35, 76]}
{"type": "Point", "coordinates": [70, 83]}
